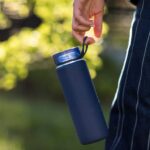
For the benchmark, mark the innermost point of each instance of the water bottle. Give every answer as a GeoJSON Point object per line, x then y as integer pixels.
{"type": "Point", "coordinates": [80, 95]}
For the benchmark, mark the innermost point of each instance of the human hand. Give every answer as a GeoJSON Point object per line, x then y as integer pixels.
{"type": "Point", "coordinates": [83, 11]}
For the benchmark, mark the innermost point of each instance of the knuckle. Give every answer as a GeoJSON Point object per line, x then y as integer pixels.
{"type": "Point", "coordinates": [79, 19]}
{"type": "Point", "coordinates": [74, 27]}
{"type": "Point", "coordinates": [76, 17]}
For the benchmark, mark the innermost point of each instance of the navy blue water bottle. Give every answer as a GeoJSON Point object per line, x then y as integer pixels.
{"type": "Point", "coordinates": [80, 95]}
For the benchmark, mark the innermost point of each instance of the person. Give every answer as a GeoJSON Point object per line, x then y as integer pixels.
{"type": "Point", "coordinates": [129, 123]}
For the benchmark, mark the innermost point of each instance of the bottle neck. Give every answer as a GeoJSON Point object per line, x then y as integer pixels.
{"type": "Point", "coordinates": [69, 63]}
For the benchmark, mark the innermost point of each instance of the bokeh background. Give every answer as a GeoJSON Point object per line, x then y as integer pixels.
{"type": "Point", "coordinates": [33, 112]}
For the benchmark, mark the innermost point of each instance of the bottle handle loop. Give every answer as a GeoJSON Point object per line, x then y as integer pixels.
{"type": "Point", "coordinates": [84, 47]}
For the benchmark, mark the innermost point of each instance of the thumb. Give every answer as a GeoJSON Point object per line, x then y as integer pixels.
{"type": "Point", "coordinates": [98, 20]}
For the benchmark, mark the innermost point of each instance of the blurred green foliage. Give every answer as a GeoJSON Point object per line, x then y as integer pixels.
{"type": "Point", "coordinates": [27, 46]}
{"type": "Point", "coordinates": [38, 126]}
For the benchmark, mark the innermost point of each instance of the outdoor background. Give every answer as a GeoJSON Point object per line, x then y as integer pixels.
{"type": "Point", "coordinates": [33, 112]}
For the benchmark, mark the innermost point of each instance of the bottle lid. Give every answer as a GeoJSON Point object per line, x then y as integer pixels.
{"type": "Point", "coordinates": [66, 56]}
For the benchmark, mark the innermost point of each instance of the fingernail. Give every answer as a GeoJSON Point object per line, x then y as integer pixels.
{"type": "Point", "coordinates": [90, 40]}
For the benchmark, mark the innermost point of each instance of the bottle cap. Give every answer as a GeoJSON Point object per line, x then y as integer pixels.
{"type": "Point", "coordinates": [66, 56]}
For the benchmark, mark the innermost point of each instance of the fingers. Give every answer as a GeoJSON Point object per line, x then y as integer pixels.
{"type": "Point", "coordinates": [79, 27]}
{"type": "Point", "coordinates": [98, 19]}
{"type": "Point", "coordinates": [78, 17]}
{"type": "Point", "coordinates": [78, 31]}
{"type": "Point", "coordinates": [80, 36]}
{"type": "Point", "coordinates": [81, 20]}
{"type": "Point", "coordinates": [90, 40]}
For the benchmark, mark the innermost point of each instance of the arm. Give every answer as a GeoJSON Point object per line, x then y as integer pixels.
{"type": "Point", "coordinates": [83, 10]}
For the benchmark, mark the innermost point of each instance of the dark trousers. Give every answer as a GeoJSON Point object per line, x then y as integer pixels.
{"type": "Point", "coordinates": [129, 124]}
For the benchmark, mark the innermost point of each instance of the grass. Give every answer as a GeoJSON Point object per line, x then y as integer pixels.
{"type": "Point", "coordinates": [38, 125]}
